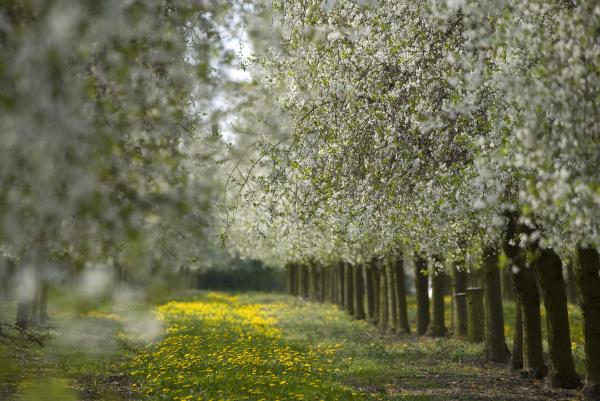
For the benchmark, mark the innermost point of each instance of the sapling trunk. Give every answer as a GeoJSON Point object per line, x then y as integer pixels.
{"type": "Point", "coordinates": [422, 292]}
{"type": "Point", "coordinates": [587, 274]}
{"type": "Point", "coordinates": [549, 267]}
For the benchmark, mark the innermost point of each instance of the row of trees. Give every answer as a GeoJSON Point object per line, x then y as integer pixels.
{"type": "Point", "coordinates": [109, 148]}
{"type": "Point", "coordinates": [447, 130]}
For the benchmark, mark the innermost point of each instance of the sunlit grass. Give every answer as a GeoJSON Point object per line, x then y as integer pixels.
{"type": "Point", "coordinates": [223, 347]}
{"type": "Point", "coordinates": [247, 347]}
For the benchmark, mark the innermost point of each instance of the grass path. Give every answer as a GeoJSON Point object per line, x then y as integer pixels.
{"type": "Point", "coordinates": [274, 347]}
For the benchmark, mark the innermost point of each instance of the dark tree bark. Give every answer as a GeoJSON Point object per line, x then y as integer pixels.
{"type": "Point", "coordinates": [508, 288]}
{"type": "Point", "coordinates": [342, 285]}
{"type": "Point", "coordinates": [401, 306]}
{"type": "Point", "coordinates": [24, 306]}
{"type": "Point", "coordinates": [517, 347]}
{"type": "Point", "coordinates": [289, 268]}
{"type": "Point", "coordinates": [376, 292]}
{"type": "Point", "coordinates": [571, 284]}
{"type": "Point", "coordinates": [390, 281]}
{"type": "Point", "coordinates": [587, 274]}
{"type": "Point", "coordinates": [475, 315]}
{"type": "Point", "coordinates": [322, 284]}
{"type": "Point", "coordinates": [460, 300]}
{"type": "Point", "coordinates": [312, 281]}
{"type": "Point", "coordinates": [383, 300]}
{"type": "Point", "coordinates": [497, 350]}
{"type": "Point", "coordinates": [437, 326]}
{"type": "Point", "coordinates": [349, 288]}
{"type": "Point", "coordinates": [528, 296]}
{"type": "Point", "coordinates": [549, 267]}
{"type": "Point", "coordinates": [422, 290]}
{"type": "Point", "coordinates": [359, 293]}
{"type": "Point", "coordinates": [369, 292]}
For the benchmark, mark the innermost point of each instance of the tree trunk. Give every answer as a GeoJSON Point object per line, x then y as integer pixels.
{"type": "Point", "coordinates": [349, 288]}
{"type": "Point", "coordinates": [529, 298]}
{"type": "Point", "coordinates": [571, 284]}
{"type": "Point", "coordinates": [23, 312]}
{"type": "Point", "coordinates": [42, 308]}
{"type": "Point", "coordinates": [369, 292]}
{"type": "Point", "coordinates": [376, 292]}
{"type": "Point", "coordinates": [342, 285]}
{"type": "Point", "coordinates": [475, 314]}
{"type": "Point", "coordinates": [508, 287]}
{"type": "Point", "coordinates": [422, 290]}
{"type": "Point", "coordinates": [383, 300]}
{"type": "Point", "coordinates": [323, 289]}
{"type": "Point", "coordinates": [460, 300]}
{"type": "Point", "coordinates": [517, 346]}
{"type": "Point", "coordinates": [437, 326]}
{"type": "Point", "coordinates": [587, 274]}
{"type": "Point", "coordinates": [497, 350]}
{"type": "Point", "coordinates": [391, 292]}
{"type": "Point", "coordinates": [549, 267]}
{"type": "Point", "coordinates": [359, 293]}
{"type": "Point", "coordinates": [401, 307]}
{"type": "Point", "coordinates": [290, 278]}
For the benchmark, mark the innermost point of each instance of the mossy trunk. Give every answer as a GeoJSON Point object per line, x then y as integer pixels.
{"type": "Point", "coordinates": [422, 293]}
{"type": "Point", "coordinates": [475, 314]}
{"type": "Point", "coordinates": [497, 350]}
{"type": "Point", "coordinates": [549, 268]}
{"type": "Point", "coordinates": [383, 300]}
{"type": "Point", "coordinates": [437, 326]}
{"type": "Point", "coordinates": [359, 293]}
{"type": "Point", "coordinates": [349, 288]}
{"type": "Point", "coordinates": [460, 300]}
{"type": "Point", "coordinates": [528, 296]}
{"type": "Point", "coordinates": [401, 305]}
{"type": "Point", "coordinates": [587, 274]}
{"type": "Point", "coordinates": [517, 346]}
{"type": "Point", "coordinates": [369, 293]}
{"type": "Point", "coordinates": [390, 281]}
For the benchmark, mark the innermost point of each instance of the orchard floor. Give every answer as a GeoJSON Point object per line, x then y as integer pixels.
{"type": "Point", "coordinates": [214, 346]}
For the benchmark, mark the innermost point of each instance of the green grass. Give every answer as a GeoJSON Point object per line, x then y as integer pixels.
{"type": "Point", "coordinates": [253, 346]}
